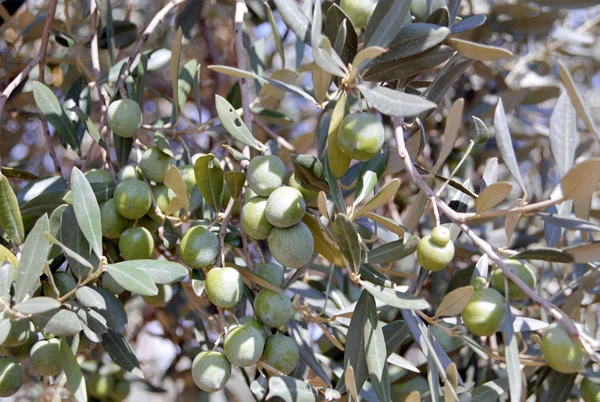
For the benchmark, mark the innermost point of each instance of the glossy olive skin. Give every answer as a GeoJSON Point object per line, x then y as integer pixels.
{"type": "Point", "coordinates": [11, 376]}
{"type": "Point", "coordinates": [310, 196]}
{"type": "Point", "coordinates": [129, 172]}
{"type": "Point", "coordinates": [561, 351]}
{"type": "Point", "coordinates": [45, 357]}
{"type": "Point", "coordinates": [358, 11]}
{"type": "Point", "coordinates": [99, 385]}
{"type": "Point", "coordinates": [523, 271]}
{"type": "Point", "coordinates": [113, 223]}
{"type": "Point", "coordinates": [484, 314]}
{"type": "Point", "coordinates": [132, 198]}
{"type": "Point", "coordinates": [136, 244]}
{"type": "Point", "coordinates": [124, 117]}
{"type": "Point", "coordinates": [436, 251]}
{"type": "Point", "coordinates": [292, 247]}
{"type": "Point", "coordinates": [253, 323]}
{"type": "Point", "coordinates": [361, 136]}
{"type": "Point", "coordinates": [211, 371]}
{"type": "Point", "coordinates": [272, 309]}
{"type": "Point", "coordinates": [590, 389]}
{"type": "Point", "coordinates": [163, 196]}
{"type": "Point", "coordinates": [285, 207]}
{"type": "Point", "coordinates": [265, 174]}
{"type": "Point", "coordinates": [199, 247]}
{"type": "Point", "coordinates": [243, 345]}
{"type": "Point", "coordinates": [254, 218]}
{"type": "Point", "coordinates": [154, 164]}
{"type": "Point", "coordinates": [281, 352]}
{"type": "Point", "coordinates": [271, 273]}
{"type": "Point", "coordinates": [21, 352]}
{"type": "Point", "coordinates": [19, 331]}
{"type": "Point", "coordinates": [224, 287]}
{"type": "Point", "coordinates": [189, 178]}
{"type": "Point", "coordinates": [164, 295]}
{"type": "Point", "coordinates": [109, 283]}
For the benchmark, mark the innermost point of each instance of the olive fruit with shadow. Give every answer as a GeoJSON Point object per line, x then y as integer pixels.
{"type": "Point", "coordinates": [11, 376]}
{"type": "Point", "coordinates": [155, 163]}
{"type": "Point", "coordinates": [292, 247]}
{"type": "Point", "coordinates": [281, 352]}
{"type": "Point", "coordinates": [310, 196]}
{"type": "Point", "coordinates": [254, 218]}
{"type": "Point", "coordinates": [265, 174]}
{"type": "Point", "coordinates": [224, 287]}
{"type": "Point", "coordinates": [561, 351]}
{"type": "Point", "coordinates": [100, 385]}
{"type": "Point", "coordinates": [164, 295]}
{"type": "Point", "coordinates": [273, 309]}
{"type": "Point", "coordinates": [243, 345]}
{"type": "Point", "coordinates": [199, 247]}
{"type": "Point", "coordinates": [19, 331]}
{"type": "Point", "coordinates": [271, 273]}
{"type": "Point", "coordinates": [484, 313]}
{"type": "Point", "coordinates": [136, 244]}
{"type": "Point", "coordinates": [522, 270]}
{"type": "Point", "coordinates": [253, 323]}
{"type": "Point", "coordinates": [121, 390]}
{"type": "Point", "coordinates": [590, 389]}
{"type": "Point", "coordinates": [211, 371]}
{"type": "Point", "coordinates": [285, 207]}
{"type": "Point", "coordinates": [435, 252]}
{"type": "Point", "coordinates": [45, 357]}
{"type": "Point", "coordinates": [113, 223]}
{"type": "Point", "coordinates": [124, 117]}
{"type": "Point", "coordinates": [132, 198]}
{"type": "Point", "coordinates": [361, 136]}
{"type": "Point", "coordinates": [129, 172]}
{"type": "Point", "coordinates": [21, 352]}
{"type": "Point", "coordinates": [109, 283]}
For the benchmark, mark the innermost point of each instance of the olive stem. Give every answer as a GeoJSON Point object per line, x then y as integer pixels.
{"type": "Point", "coordinates": [436, 212]}
{"type": "Point", "coordinates": [223, 231]}
{"type": "Point", "coordinates": [462, 160]}
{"type": "Point", "coordinates": [529, 208]}
{"type": "Point", "coordinates": [478, 241]}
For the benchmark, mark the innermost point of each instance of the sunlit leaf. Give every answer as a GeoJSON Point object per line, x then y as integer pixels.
{"type": "Point", "coordinates": [505, 145]}
{"type": "Point", "coordinates": [478, 51]}
{"type": "Point", "coordinates": [75, 378]}
{"type": "Point", "coordinates": [492, 196]}
{"type": "Point", "coordinates": [33, 257]}
{"type": "Point", "coordinates": [86, 210]}
{"type": "Point", "coordinates": [10, 215]}
{"type": "Point", "coordinates": [210, 180]}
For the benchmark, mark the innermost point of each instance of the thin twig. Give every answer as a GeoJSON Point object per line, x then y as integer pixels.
{"type": "Point", "coordinates": [223, 231]}
{"type": "Point", "coordinates": [240, 11]}
{"type": "Point", "coordinates": [282, 141]}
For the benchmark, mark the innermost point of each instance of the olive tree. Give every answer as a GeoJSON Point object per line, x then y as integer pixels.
{"type": "Point", "coordinates": [386, 200]}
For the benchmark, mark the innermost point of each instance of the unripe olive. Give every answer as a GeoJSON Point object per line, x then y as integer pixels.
{"type": "Point", "coordinates": [273, 309]}
{"type": "Point", "coordinates": [249, 194]}
{"type": "Point", "coordinates": [199, 247]}
{"type": "Point", "coordinates": [98, 176]}
{"type": "Point", "coordinates": [285, 207]}
{"type": "Point", "coordinates": [132, 198]}
{"type": "Point", "coordinates": [164, 295]}
{"type": "Point", "coordinates": [155, 163]}
{"type": "Point", "coordinates": [21, 352]}
{"type": "Point", "coordinates": [522, 270]}
{"type": "Point", "coordinates": [45, 357]}
{"type": "Point", "coordinates": [590, 389]}
{"type": "Point", "coordinates": [99, 385]}
{"type": "Point", "coordinates": [254, 218]}
{"type": "Point", "coordinates": [113, 223]}
{"type": "Point", "coordinates": [243, 345]}
{"type": "Point", "coordinates": [561, 351]}
{"type": "Point", "coordinates": [121, 390]}
{"type": "Point", "coordinates": [129, 172]}
{"type": "Point", "coordinates": [310, 196]}
{"type": "Point", "coordinates": [292, 247]}
{"type": "Point", "coordinates": [11, 376]}
{"type": "Point", "coordinates": [436, 251]}
{"type": "Point", "coordinates": [401, 391]}
{"type": "Point", "coordinates": [484, 313]}
{"type": "Point", "coordinates": [211, 371]}
{"type": "Point", "coordinates": [224, 287]}
{"type": "Point", "coordinates": [124, 117]}
{"type": "Point", "coordinates": [189, 177]}
{"type": "Point", "coordinates": [281, 352]}
{"type": "Point", "coordinates": [253, 323]}
{"type": "Point", "coordinates": [361, 136]}
{"type": "Point", "coordinates": [271, 273]}
{"type": "Point", "coordinates": [163, 196]}
{"type": "Point", "coordinates": [19, 332]}
{"type": "Point", "coordinates": [265, 174]}
{"type": "Point", "coordinates": [109, 283]}
{"type": "Point", "coordinates": [136, 244]}
{"type": "Point", "coordinates": [357, 11]}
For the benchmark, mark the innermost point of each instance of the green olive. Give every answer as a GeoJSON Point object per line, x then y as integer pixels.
{"type": "Point", "coordinates": [243, 345]}
{"type": "Point", "coordinates": [253, 323]}
{"type": "Point", "coordinates": [99, 385]}
{"type": "Point", "coordinates": [164, 295]}
{"type": "Point", "coordinates": [281, 352]}
{"type": "Point", "coordinates": [21, 352]}
{"type": "Point", "coordinates": [285, 207]}
{"type": "Point", "coordinates": [121, 390]}
{"type": "Point", "coordinates": [418, 8]}
{"type": "Point", "coordinates": [271, 273]}
{"type": "Point", "coordinates": [484, 314]}
{"type": "Point", "coordinates": [129, 172]}
{"type": "Point", "coordinates": [155, 163]}
{"type": "Point", "coordinates": [11, 376]}
{"type": "Point", "coordinates": [358, 11]}
{"type": "Point", "coordinates": [19, 331]}
{"type": "Point", "coordinates": [211, 371]}
{"type": "Point", "coordinates": [590, 389]}
{"type": "Point", "coordinates": [109, 283]}
{"type": "Point", "coordinates": [224, 287]}
{"type": "Point", "coordinates": [254, 218]}
{"type": "Point", "coordinates": [436, 251]}
{"type": "Point", "coordinates": [561, 351]}
{"type": "Point", "coordinates": [98, 176]}
{"type": "Point", "coordinates": [189, 177]}
{"type": "Point", "coordinates": [361, 136]}
{"type": "Point", "coordinates": [522, 270]}
{"type": "Point", "coordinates": [163, 196]}
{"type": "Point", "coordinates": [292, 247]}
{"type": "Point", "coordinates": [199, 247]}
{"type": "Point", "coordinates": [310, 196]}
{"type": "Point", "coordinates": [124, 117]}
{"type": "Point", "coordinates": [136, 244]}
{"type": "Point", "coordinates": [273, 309]}
{"type": "Point", "coordinates": [265, 174]}
{"type": "Point", "coordinates": [45, 357]}
{"type": "Point", "coordinates": [132, 198]}
{"type": "Point", "coordinates": [113, 223]}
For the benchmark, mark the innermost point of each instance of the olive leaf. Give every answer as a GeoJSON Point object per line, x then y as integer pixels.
{"type": "Point", "coordinates": [454, 302]}
{"type": "Point", "coordinates": [585, 115]}
{"type": "Point", "coordinates": [174, 181]}
{"type": "Point", "coordinates": [348, 241]}
{"type": "Point", "coordinates": [580, 182]}
{"type": "Point", "coordinates": [309, 172]}
{"type": "Point", "coordinates": [10, 216]}
{"type": "Point", "coordinates": [33, 257]}
{"type": "Point", "coordinates": [234, 124]}
{"type": "Point", "coordinates": [210, 180]}
{"type": "Point", "coordinates": [339, 161]}
{"type": "Point", "coordinates": [381, 198]}
{"type": "Point", "coordinates": [505, 145]}
{"type": "Point", "coordinates": [75, 378]}
{"type": "Point", "coordinates": [395, 103]}
{"type": "Point", "coordinates": [492, 196]}
{"type": "Point", "coordinates": [477, 51]}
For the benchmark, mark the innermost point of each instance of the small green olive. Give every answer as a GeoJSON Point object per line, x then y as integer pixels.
{"type": "Point", "coordinates": [361, 136]}
{"type": "Point", "coordinates": [310, 196]}
{"type": "Point", "coordinates": [129, 172]}
{"type": "Point", "coordinates": [99, 385]}
{"type": "Point", "coordinates": [189, 177]}
{"type": "Point", "coordinates": [253, 323]}
{"type": "Point", "coordinates": [561, 351]}
{"type": "Point", "coordinates": [132, 198]}
{"type": "Point", "coordinates": [484, 313]}
{"type": "Point", "coordinates": [11, 376]}
{"type": "Point", "coordinates": [109, 283]}
{"type": "Point", "coordinates": [243, 345]}
{"type": "Point", "coordinates": [254, 218]}
{"type": "Point", "coordinates": [522, 270]}
{"type": "Point", "coordinates": [163, 196]}
{"type": "Point", "coordinates": [45, 357]}
{"type": "Point", "coordinates": [265, 174]}
{"type": "Point", "coordinates": [113, 223]}
{"type": "Point", "coordinates": [292, 247]}
{"type": "Point", "coordinates": [285, 207]}
{"type": "Point", "coordinates": [281, 352]}
{"type": "Point", "coordinates": [124, 117]}
{"type": "Point", "coordinates": [136, 244]}
{"type": "Point", "coordinates": [21, 352]}
{"type": "Point", "coordinates": [211, 371]}
{"type": "Point", "coordinates": [271, 273]}
{"type": "Point", "coordinates": [19, 332]}
{"type": "Point", "coordinates": [164, 295]}
{"type": "Point", "coordinates": [199, 247]}
{"type": "Point", "coordinates": [224, 287]}
{"type": "Point", "coordinates": [436, 251]}
{"type": "Point", "coordinates": [155, 163]}
{"type": "Point", "coordinates": [590, 389]}
{"type": "Point", "coordinates": [273, 309]}
{"type": "Point", "coordinates": [121, 390]}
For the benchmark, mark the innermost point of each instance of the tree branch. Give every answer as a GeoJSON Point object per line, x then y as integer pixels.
{"type": "Point", "coordinates": [240, 11]}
